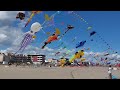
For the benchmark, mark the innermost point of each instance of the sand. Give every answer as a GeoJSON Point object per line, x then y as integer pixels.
{"type": "Point", "coordinates": [26, 72]}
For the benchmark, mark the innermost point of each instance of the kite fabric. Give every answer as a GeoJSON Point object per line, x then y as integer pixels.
{"type": "Point", "coordinates": [92, 33]}
{"type": "Point", "coordinates": [77, 55]}
{"type": "Point", "coordinates": [80, 44]}
{"type": "Point", "coordinates": [21, 16]}
{"type": "Point", "coordinates": [29, 36]}
{"type": "Point", "coordinates": [50, 39]}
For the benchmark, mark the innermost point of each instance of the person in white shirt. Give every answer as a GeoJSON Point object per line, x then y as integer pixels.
{"type": "Point", "coordinates": [110, 71]}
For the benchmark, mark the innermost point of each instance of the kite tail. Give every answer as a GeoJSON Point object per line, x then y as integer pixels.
{"type": "Point", "coordinates": [29, 19]}
{"type": "Point", "coordinates": [28, 41]}
{"type": "Point", "coordinates": [18, 50]}
{"type": "Point", "coordinates": [24, 41]}
{"type": "Point", "coordinates": [26, 24]}
{"type": "Point", "coordinates": [44, 45]}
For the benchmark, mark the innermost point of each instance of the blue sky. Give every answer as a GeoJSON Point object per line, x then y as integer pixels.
{"type": "Point", "coordinates": [105, 23]}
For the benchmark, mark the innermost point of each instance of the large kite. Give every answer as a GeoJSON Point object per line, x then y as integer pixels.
{"type": "Point", "coordinates": [77, 55]}
{"type": "Point", "coordinates": [29, 36]}
{"type": "Point", "coordinates": [52, 38]}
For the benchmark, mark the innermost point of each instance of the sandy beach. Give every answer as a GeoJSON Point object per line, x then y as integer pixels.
{"type": "Point", "coordinates": [26, 72]}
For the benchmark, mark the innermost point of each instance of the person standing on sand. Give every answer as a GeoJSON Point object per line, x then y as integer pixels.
{"type": "Point", "coordinates": [110, 72]}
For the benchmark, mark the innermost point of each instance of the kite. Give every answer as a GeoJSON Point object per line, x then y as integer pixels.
{"type": "Point", "coordinates": [57, 53]}
{"type": "Point", "coordinates": [69, 27]}
{"type": "Point", "coordinates": [50, 39]}
{"type": "Point", "coordinates": [77, 55]}
{"type": "Point", "coordinates": [83, 59]}
{"type": "Point", "coordinates": [62, 62]}
{"type": "Point", "coordinates": [29, 36]}
{"type": "Point", "coordinates": [91, 39]}
{"type": "Point", "coordinates": [49, 19]}
{"type": "Point", "coordinates": [53, 37]}
{"type": "Point", "coordinates": [89, 28]}
{"type": "Point", "coordinates": [31, 16]}
{"type": "Point", "coordinates": [21, 16]}
{"type": "Point", "coordinates": [106, 54]}
{"type": "Point", "coordinates": [57, 31]}
{"type": "Point", "coordinates": [80, 44]}
{"type": "Point", "coordinates": [64, 47]}
{"type": "Point", "coordinates": [92, 33]}
{"type": "Point", "coordinates": [106, 58]}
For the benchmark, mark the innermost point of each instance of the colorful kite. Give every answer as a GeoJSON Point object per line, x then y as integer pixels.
{"type": "Point", "coordinates": [52, 38]}
{"type": "Point", "coordinates": [31, 16]}
{"type": "Point", "coordinates": [77, 55]}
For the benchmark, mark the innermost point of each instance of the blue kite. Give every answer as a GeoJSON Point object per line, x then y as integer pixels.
{"type": "Point", "coordinates": [80, 44]}
{"type": "Point", "coordinates": [92, 33]}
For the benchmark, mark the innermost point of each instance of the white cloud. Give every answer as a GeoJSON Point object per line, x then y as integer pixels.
{"type": "Point", "coordinates": [50, 53]}
{"type": "Point", "coordinates": [2, 37]}
{"type": "Point", "coordinates": [8, 35]}
{"type": "Point", "coordinates": [9, 15]}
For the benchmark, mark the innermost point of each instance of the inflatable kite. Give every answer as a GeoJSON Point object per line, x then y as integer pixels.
{"type": "Point", "coordinates": [92, 33]}
{"type": "Point", "coordinates": [62, 62]}
{"type": "Point", "coordinates": [21, 16]}
{"type": "Point", "coordinates": [77, 55]}
{"type": "Point", "coordinates": [29, 36]}
{"type": "Point", "coordinates": [80, 44]}
{"type": "Point", "coordinates": [52, 38]}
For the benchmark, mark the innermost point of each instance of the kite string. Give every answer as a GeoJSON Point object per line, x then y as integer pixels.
{"type": "Point", "coordinates": [98, 34]}
{"type": "Point", "coordinates": [87, 23]}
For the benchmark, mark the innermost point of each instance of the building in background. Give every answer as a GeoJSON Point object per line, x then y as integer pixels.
{"type": "Point", "coordinates": [37, 58]}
